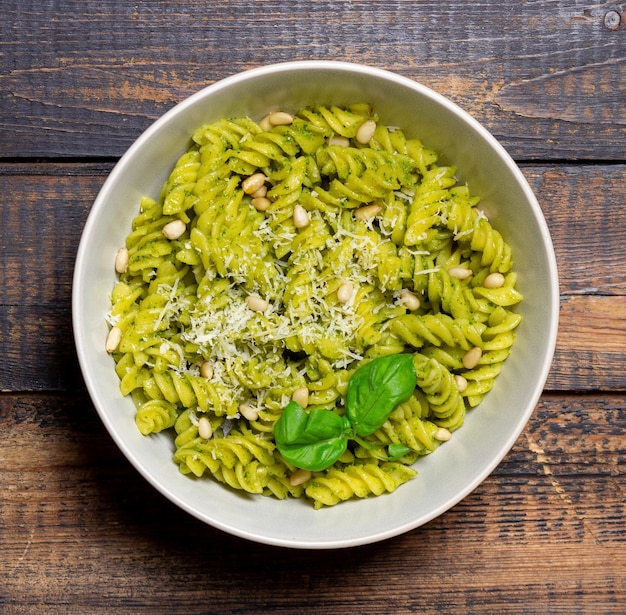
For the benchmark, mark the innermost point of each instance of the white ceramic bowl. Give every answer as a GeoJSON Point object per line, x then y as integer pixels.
{"type": "Point", "coordinates": [490, 430]}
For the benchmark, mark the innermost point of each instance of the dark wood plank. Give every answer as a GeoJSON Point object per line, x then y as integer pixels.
{"type": "Point", "coordinates": [590, 344]}
{"type": "Point", "coordinates": [89, 535]}
{"type": "Point", "coordinates": [584, 212]}
{"type": "Point", "coordinates": [85, 79]}
{"type": "Point", "coordinates": [43, 215]}
{"type": "Point", "coordinates": [38, 352]}
{"type": "Point", "coordinates": [46, 206]}
{"type": "Point", "coordinates": [39, 237]}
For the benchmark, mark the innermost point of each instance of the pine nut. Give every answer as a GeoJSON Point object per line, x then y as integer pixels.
{"type": "Point", "coordinates": [256, 304]}
{"type": "Point", "coordinates": [366, 131]}
{"type": "Point", "coordinates": [262, 191]}
{"type": "Point", "coordinates": [494, 280]}
{"type": "Point", "coordinates": [265, 124]}
{"type": "Point", "coordinates": [339, 141]}
{"type": "Point", "coordinates": [280, 118]}
{"type": "Point", "coordinates": [121, 260]}
{"type": "Point", "coordinates": [410, 300]}
{"type": "Point", "coordinates": [461, 383]}
{"type": "Point", "coordinates": [113, 339]}
{"type": "Point", "coordinates": [344, 292]}
{"type": "Point", "coordinates": [301, 216]}
{"type": "Point", "coordinates": [204, 428]}
{"type": "Point", "coordinates": [460, 273]}
{"type": "Point", "coordinates": [299, 477]}
{"type": "Point", "coordinates": [174, 229]}
{"type": "Point", "coordinates": [248, 412]}
{"type": "Point", "coordinates": [442, 434]}
{"type": "Point", "coordinates": [367, 212]}
{"type": "Point", "coordinates": [472, 357]}
{"type": "Point", "coordinates": [206, 370]}
{"type": "Point", "coordinates": [301, 396]}
{"type": "Point", "coordinates": [251, 184]}
{"type": "Point", "coordinates": [261, 203]}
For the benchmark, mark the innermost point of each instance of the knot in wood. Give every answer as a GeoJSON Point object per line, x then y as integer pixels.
{"type": "Point", "coordinates": [612, 20]}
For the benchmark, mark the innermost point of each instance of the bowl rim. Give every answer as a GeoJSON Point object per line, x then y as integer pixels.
{"type": "Point", "coordinates": [351, 68]}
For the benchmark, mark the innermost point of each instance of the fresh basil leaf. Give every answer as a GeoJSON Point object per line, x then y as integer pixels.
{"type": "Point", "coordinates": [311, 440]}
{"type": "Point", "coordinates": [397, 450]}
{"type": "Point", "coordinates": [376, 388]}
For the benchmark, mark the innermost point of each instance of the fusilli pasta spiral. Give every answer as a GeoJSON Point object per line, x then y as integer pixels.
{"type": "Point", "coordinates": [297, 246]}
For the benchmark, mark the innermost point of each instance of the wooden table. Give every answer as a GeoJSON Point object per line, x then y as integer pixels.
{"type": "Point", "coordinates": [82, 532]}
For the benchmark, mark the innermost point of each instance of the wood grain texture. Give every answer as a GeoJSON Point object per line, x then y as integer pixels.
{"type": "Point", "coordinates": [547, 78]}
{"type": "Point", "coordinates": [40, 232]}
{"type": "Point", "coordinates": [82, 533]}
{"type": "Point", "coordinates": [89, 535]}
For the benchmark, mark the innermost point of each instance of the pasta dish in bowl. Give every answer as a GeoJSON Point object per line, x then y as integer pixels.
{"type": "Point", "coordinates": [325, 283]}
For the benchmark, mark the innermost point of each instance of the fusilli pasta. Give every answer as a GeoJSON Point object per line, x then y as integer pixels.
{"type": "Point", "coordinates": [289, 285]}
